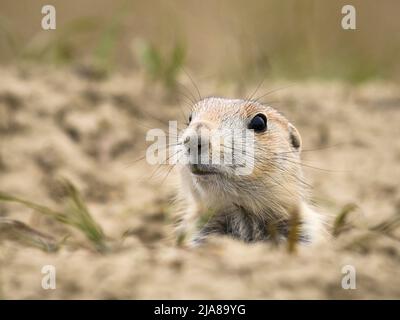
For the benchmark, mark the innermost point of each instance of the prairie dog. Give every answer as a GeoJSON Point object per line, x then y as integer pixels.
{"type": "Point", "coordinates": [258, 205]}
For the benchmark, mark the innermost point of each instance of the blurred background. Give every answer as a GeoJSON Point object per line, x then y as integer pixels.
{"type": "Point", "coordinates": [290, 39]}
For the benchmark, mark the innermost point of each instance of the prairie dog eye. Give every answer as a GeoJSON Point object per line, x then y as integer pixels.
{"type": "Point", "coordinates": [258, 123]}
{"type": "Point", "coordinates": [190, 118]}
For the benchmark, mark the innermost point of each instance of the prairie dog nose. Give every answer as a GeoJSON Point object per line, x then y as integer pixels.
{"type": "Point", "coordinates": [197, 139]}
{"type": "Point", "coordinates": [201, 125]}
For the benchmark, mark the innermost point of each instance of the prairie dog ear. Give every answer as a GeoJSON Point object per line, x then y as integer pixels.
{"type": "Point", "coordinates": [294, 137]}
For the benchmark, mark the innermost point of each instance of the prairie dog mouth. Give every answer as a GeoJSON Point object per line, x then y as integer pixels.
{"type": "Point", "coordinates": [203, 169]}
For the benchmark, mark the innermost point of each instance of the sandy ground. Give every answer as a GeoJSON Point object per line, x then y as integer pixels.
{"type": "Point", "coordinates": [61, 124]}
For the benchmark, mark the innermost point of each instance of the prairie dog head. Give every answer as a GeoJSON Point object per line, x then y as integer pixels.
{"type": "Point", "coordinates": [259, 153]}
